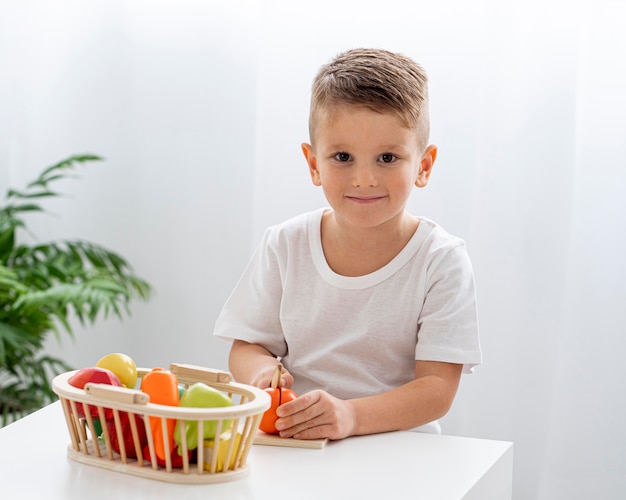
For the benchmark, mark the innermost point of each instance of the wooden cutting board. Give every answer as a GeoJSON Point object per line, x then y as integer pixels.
{"type": "Point", "coordinates": [265, 439]}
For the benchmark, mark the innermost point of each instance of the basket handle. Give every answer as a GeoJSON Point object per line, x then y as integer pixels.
{"type": "Point", "coordinates": [199, 372]}
{"type": "Point", "coordinates": [116, 393]}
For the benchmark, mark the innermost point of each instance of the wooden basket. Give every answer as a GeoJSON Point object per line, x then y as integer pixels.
{"type": "Point", "coordinates": [93, 446]}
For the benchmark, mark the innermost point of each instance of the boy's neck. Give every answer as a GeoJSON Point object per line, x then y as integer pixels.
{"type": "Point", "coordinates": [353, 251]}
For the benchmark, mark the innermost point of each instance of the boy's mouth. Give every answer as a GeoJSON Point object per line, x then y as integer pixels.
{"type": "Point", "coordinates": [365, 199]}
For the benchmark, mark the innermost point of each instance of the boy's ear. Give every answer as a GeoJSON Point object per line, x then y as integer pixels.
{"type": "Point", "coordinates": [311, 160]}
{"type": "Point", "coordinates": [426, 166]}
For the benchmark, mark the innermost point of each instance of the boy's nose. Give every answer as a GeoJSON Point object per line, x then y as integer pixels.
{"type": "Point", "coordinates": [364, 175]}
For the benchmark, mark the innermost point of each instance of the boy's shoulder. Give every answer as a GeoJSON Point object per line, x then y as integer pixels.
{"type": "Point", "coordinates": [295, 228]}
{"type": "Point", "coordinates": [297, 223]}
{"type": "Point", "coordinates": [436, 229]}
{"type": "Point", "coordinates": [434, 238]}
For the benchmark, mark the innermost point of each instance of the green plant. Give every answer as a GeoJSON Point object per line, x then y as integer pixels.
{"type": "Point", "coordinates": [44, 285]}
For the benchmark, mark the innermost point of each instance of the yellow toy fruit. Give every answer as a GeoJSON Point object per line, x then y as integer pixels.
{"type": "Point", "coordinates": [222, 451]}
{"type": "Point", "coordinates": [122, 365]}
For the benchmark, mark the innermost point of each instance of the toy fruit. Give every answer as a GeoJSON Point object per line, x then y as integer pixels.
{"type": "Point", "coordinates": [97, 376]}
{"type": "Point", "coordinates": [93, 374]}
{"type": "Point", "coordinates": [200, 395]}
{"type": "Point", "coordinates": [175, 458]}
{"type": "Point", "coordinates": [279, 396]}
{"type": "Point", "coordinates": [162, 387]}
{"type": "Point", "coordinates": [122, 365]}
{"type": "Point", "coordinates": [127, 434]}
{"type": "Point", "coordinates": [222, 451]}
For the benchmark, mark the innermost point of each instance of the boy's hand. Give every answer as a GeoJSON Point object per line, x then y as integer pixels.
{"type": "Point", "coordinates": [263, 378]}
{"type": "Point", "coordinates": [316, 415]}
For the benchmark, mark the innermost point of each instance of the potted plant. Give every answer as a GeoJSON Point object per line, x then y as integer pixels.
{"type": "Point", "coordinates": [44, 285]}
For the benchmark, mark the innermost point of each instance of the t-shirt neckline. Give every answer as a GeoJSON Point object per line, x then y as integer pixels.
{"type": "Point", "coordinates": [367, 280]}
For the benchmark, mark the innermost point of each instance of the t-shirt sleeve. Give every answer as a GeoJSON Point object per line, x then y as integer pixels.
{"type": "Point", "coordinates": [251, 313]}
{"type": "Point", "coordinates": [448, 325]}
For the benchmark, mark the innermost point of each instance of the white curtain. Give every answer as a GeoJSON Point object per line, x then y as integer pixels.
{"type": "Point", "coordinates": [200, 109]}
{"type": "Point", "coordinates": [548, 239]}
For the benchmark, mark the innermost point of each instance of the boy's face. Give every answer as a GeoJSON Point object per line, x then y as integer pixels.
{"type": "Point", "coordinates": [367, 163]}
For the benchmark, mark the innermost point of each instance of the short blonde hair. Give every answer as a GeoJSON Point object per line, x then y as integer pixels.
{"type": "Point", "coordinates": [380, 80]}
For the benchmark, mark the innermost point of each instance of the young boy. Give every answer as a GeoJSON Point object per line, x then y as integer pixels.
{"type": "Point", "coordinates": [370, 309]}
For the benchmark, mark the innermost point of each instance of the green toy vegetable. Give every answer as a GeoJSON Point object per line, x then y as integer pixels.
{"type": "Point", "coordinates": [200, 395]}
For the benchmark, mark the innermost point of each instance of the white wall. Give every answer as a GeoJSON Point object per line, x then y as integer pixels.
{"type": "Point", "coordinates": [167, 94]}
{"type": "Point", "coordinates": [200, 109]}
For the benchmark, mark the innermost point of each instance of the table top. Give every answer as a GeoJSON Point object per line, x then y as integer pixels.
{"type": "Point", "coordinates": [34, 464]}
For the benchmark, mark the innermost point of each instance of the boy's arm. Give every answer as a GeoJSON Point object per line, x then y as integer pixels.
{"type": "Point", "coordinates": [317, 414]}
{"type": "Point", "coordinates": [252, 364]}
{"type": "Point", "coordinates": [427, 398]}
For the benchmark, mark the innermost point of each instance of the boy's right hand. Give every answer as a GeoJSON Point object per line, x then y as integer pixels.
{"type": "Point", "coordinates": [263, 378]}
{"type": "Point", "coordinates": [252, 364]}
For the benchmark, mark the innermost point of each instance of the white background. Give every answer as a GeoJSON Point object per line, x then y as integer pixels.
{"type": "Point", "coordinates": [200, 107]}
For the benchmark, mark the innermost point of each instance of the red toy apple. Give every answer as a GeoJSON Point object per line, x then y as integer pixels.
{"type": "Point", "coordinates": [97, 376]}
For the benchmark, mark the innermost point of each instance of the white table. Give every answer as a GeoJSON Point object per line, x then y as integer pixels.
{"type": "Point", "coordinates": [34, 464]}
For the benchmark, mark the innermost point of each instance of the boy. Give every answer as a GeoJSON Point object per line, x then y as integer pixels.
{"type": "Point", "coordinates": [370, 309]}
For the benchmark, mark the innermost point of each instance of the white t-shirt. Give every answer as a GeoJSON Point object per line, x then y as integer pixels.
{"type": "Point", "coordinates": [355, 336]}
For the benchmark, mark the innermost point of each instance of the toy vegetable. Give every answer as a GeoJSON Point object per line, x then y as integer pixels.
{"type": "Point", "coordinates": [279, 396]}
{"type": "Point", "coordinates": [162, 387]}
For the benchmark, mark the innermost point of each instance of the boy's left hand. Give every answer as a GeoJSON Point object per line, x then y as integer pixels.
{"type": "Point", "coordinates": [316, 415]}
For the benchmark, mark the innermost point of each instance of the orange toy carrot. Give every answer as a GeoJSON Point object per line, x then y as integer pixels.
{"type": "Point", "coordinates": [162, 386]}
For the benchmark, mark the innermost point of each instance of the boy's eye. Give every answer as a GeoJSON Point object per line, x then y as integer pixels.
{"type": "Point", "coordinates": [387, 158]}
{"type": "Point", "coordinates": [342, 157]}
